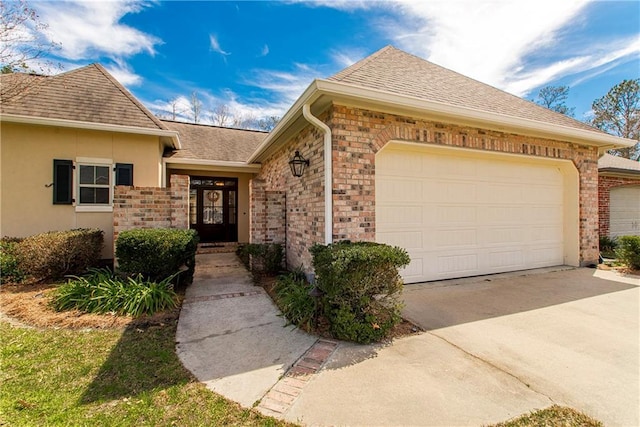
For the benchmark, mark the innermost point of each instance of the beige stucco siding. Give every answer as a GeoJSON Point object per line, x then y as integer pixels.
{"type": "Point", "coordinates": [26, 155]}
{"type": "Point", "coordinates": [243, 194]}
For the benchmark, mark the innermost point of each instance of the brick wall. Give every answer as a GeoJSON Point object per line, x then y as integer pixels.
{"type": "Point", "coordinates": [268, 213]}
{"type": "Point", "coordinates": [357, 136]}
{"type": "Point", "coordinates": [303, 198]}
{"type": "Point", "coordinates": [605, 184]}
{"type": "Point", "coordinates": [151, 207]}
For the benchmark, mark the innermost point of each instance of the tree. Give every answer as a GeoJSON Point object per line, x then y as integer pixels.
{"type": "Point", "coordinates": [195, 105]}
{"type": "Point", "coordinates": [618, 113]}
{"type": "Point", "coordinates": [553, 98]}
{"type": "Point", "coordinates": [23, 47]}
{"type": "Point", "coordinates": [222, 115]}
{"type": "Point", "coordinates": [268, 123]}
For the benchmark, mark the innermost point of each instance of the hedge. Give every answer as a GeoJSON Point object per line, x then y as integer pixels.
{"type": "Point", "coordinates": [52, 255]}
{"type": "Point", "coordinates": [361, 288]}
{"type": "Point", "coordinates": [157, 253]}
{"type": "Point", "coordinates": [628, 251]}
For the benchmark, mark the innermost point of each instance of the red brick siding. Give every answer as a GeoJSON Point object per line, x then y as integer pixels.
{"type": "Point", "coordinates": [304, 198]}
{"type": "Point", "coordinates": [605, 184]}
{"type": "Point", "coordinates": [151, 207]}
{"type": "Point", "coordinates": [358, 134]}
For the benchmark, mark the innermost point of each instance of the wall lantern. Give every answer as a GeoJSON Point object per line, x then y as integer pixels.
{"type": "Point", "coordinates": [297, 164]}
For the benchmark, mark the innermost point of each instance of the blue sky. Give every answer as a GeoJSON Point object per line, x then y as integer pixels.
{"type": "Point", "coordinates": [257, 57]}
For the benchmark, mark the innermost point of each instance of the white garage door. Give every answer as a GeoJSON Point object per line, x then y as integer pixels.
{"type": "Point", "coordinates": [624, 211]}
{"type": "Point", "coordinates": [461, 213]}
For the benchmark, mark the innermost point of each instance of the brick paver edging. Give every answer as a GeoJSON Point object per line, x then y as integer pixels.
{"type": "Point", "coordinates": [282, 395]}
{"type": "Point", "coordinates": [221, 296]}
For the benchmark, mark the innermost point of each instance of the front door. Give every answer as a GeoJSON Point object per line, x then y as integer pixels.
{"type": "Point", "coordinates": [213, 208]}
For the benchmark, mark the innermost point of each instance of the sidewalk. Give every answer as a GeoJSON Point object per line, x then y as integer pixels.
{"type": "Point", "coordinates": [232, 338]}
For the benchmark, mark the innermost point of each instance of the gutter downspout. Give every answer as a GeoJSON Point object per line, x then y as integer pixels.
{"type": "Point", "coordinates": [328, 174]}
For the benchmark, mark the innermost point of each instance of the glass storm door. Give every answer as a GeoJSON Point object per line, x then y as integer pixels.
{"type": "Point", "coordinates": [213, 208]}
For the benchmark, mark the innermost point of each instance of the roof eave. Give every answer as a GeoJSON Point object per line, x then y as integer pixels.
{"type": "Point", "coordinates": [215, 164]}
{"type": "Point", "coordinates": [169, 137]}
{"type": "Point", "coordinates": [359, 93]}
{"type": "Point", "coordinates": [619, 171]}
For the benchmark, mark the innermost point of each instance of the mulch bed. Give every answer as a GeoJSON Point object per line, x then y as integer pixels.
{"type": "Point", "coordinates": [28, 304]}
{"type": "Point", "coordinates": [403, 329]}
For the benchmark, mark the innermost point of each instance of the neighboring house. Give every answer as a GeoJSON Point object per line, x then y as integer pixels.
{"type": "Point", "coordinates": [65, 142]}
{"type": "Point", "coordinates": [619, 196]}
{"type": "Point", "coordinates": [469, 179]}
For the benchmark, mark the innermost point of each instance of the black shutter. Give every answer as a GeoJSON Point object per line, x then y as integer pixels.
{"type": "Point", "coordinates": [62, 182]}
{"type": "Point", "coordinates": [124, 174]}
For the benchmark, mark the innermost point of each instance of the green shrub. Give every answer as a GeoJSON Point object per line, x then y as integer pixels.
{"type": "Point", "coordinates": [629, 251]}
{"type": "Point", "coordinates": [293, 299]}
{"type": "Point", "coordinates": [9, 268]}
{"type": "Point", "coordinates": [52, 255]}
{"type": "Point", "coordinates": [608, 246]}
{"type": "Point", "coordinates": [361, 287]}
{"type": "Point", "coordinates": [102, 292]}
{"type": "Point", "coordinates": [157, 253]}
{"type": "Point", "coordinates": [262, 257]}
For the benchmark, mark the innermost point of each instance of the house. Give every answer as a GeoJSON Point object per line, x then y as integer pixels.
{"type": "Point", "coordinates": [66, 141]}
{"type": "Point", "coordinates": [618, 196]}
{"type": "Point", "coordinates": [469, 179]}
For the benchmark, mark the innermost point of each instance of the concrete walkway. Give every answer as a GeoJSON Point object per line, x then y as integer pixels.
{"type": "Point", "coordinates": [495, 348]}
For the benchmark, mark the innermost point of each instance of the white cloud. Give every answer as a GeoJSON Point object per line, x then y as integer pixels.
{"type": "Point", "coordinates": [347, 57]}
{"type": "Point", "coordinates": [264, 51]}
{"type": "Point", "coordinates": [492, 41]}
{"type": "Point", "coordinates": [123, 73]}
{"type": "Point", "coordinates": [86, 29]}
{"type": "Point", "coordinates": [215, 46]}
{"type": "Point", "coordinates": [285, 86]}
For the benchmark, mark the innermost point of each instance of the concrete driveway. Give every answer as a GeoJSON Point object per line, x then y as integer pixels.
{"type": "Point", "coordinates": [495, 347]}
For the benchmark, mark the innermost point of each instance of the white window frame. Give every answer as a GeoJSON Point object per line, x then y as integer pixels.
{"type": "Point", "coordinates": [91, 207]}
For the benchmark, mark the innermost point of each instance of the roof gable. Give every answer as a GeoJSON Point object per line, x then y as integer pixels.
{"type": "Point", "coordinates": [88, 94]}
{"type": "Point", "coordinates": [394, 71]}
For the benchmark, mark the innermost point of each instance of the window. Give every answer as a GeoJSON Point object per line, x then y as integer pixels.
{"type": "Point", "coordinates": [94, 184]}
{"type": "Point", "coordinates": [88, 183]}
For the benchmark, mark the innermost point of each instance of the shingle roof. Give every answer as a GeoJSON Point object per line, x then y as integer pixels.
{"type": "Point", "coordinates": [204, 142]}
{"type": "Point", "coordinates": [394, 71]}
{"type": "Point", "coordinates": [609, 162]}
{"type": "Point", "coordinates": [87, 94]}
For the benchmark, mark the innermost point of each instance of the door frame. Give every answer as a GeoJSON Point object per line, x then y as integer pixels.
{"type": "Point", "coordinates": [227, 230]}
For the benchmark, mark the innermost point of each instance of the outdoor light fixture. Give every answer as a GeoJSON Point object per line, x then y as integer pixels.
{"type": "Point", "coordinates": [297, 164]}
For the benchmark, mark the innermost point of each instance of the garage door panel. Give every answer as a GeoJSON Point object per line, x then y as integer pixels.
{"type": "Point", "coordinates": [474, 215]}
{"type": "Point", "coordinates": [498, 193]}
{"type": "Point", "coordinates": [500, 214]}
{"type": "Point", "coordinates": [397, 215]}
{"type": "Point", "coordinates": [458, 215]}
{"type": "Point", "coordinates": [457, 238]}
{"type": "Point", "coordinates": [456, 264]}
{"type": "Point", "coordinates": [410, 240]}
{"type": "Point", "coordinates": [499, 260]}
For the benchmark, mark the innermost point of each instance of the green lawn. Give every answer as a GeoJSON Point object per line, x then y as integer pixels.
{"type": "Point", "coordinates": [105, 377]}
{"type": "Point", "coordinates": [133, 378]}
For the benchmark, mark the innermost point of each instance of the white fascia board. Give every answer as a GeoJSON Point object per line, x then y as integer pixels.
{"type": "Point", "coordinates": [333, 89]}
{"type": "Point", "coordinates": [408, 102]}
{"type": "Point", "coordinates": [46, 121]}
{"type": "Point", "coordinates": [215, 164]}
